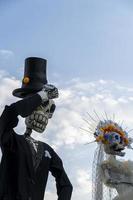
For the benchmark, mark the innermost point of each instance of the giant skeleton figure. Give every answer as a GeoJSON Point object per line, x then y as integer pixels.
{"type": "Point", "coordinates": [26, 162]}
{"type": "Point", "coordinates": [115, 174]}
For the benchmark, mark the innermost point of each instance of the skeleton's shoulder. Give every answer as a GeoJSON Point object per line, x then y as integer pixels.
{"type": "Point", "coordinates": [46, 146]}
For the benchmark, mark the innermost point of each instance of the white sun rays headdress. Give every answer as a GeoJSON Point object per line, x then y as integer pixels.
{"type": "Point", "coordinates": [111, 138]}
{"type": "Point", "coordinates": [108, 131]}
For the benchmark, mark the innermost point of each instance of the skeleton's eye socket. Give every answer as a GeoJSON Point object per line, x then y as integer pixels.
{"type": "Point", "coordinates": [116, 137]}
{"type": "Point", "coordinates": [52, 109]}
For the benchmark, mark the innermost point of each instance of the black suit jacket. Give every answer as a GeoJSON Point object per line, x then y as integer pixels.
{"type": "Point", "coordinates": [18, 179]}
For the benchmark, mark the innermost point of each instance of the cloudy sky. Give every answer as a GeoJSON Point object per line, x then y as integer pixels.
{"type": "Point", "coordinates": [89, 45]}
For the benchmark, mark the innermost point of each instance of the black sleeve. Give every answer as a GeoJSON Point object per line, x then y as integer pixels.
{"type": "Point", "coordinates": [9, 117]}
{"type": "Point", "coordinates": [27, 105]}
{"type": "Point", "coordinates": [63, 185]}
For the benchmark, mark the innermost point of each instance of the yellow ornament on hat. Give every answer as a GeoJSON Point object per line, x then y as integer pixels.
{"type": "Point", "coordinates": [26, 80]}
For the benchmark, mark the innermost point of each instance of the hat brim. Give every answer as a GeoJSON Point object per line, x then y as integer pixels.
{"type": "Point", "coordinates": [23, 92]}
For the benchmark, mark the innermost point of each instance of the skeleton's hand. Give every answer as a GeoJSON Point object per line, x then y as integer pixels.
{"type": "Point", "coordinates": [49, 92]}
{"type": "Point", "coordinates": [52, 91]}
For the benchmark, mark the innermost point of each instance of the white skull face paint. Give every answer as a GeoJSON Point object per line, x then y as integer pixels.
{"type": "Point", "coordinates": [38, 120]}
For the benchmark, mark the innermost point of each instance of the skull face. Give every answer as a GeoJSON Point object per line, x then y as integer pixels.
{"type": "Point", "coordinates": [115, 144]}
{"type": "Point", "coordinates": [38, 120]}
{"type": "Point", "coordinates": [113, 137]}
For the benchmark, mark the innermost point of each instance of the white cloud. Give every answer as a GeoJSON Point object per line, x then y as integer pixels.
{"type": "Point", "coordinates": [6, 54]}
{"type": "Point", "coordinates": [7, 85]}
{"type": "Point", "coordinates": [7, 59]}
{"type": "Point", "coordinates": [77, 98]}
{"type": "Point", "coordinates": [63, 131]}
{"type": "Point", "coordinates": [50, 195]}
{"type": "Point", "coordinates": [84, 184]}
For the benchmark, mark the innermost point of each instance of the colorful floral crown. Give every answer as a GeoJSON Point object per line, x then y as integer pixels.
{"type": "Point", "coordinates": [109, 132]}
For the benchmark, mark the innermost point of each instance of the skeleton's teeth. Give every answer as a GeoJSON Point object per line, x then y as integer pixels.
{"type": "Point", "coordinates": [34, 123]}
{"type": "Point", "coordinates": [32, 117]}
{"type": "Point", "coordinates": [38, 120]}
{"type": "Point", "coordinates": [38, 125]}
{"type": "Point", "coordinates": [40, 117]}
{"type": "Point", "coordinates": [43, 127]}
{"type": "Point", "coordinates": [36, 117]}
{"type": "Point", "coordinates": [44, 119]}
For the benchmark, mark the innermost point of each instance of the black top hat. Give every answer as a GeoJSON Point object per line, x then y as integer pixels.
{"type": "Point", "coordinates": [34, 77]}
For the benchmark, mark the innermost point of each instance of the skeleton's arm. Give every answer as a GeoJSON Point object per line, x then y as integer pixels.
{"type": "Point", "coordinates": [9, 117]}
{"type": "Point", "coordinates": [26, 106]}
{"type": "Point", "coordinates": [64, 187]}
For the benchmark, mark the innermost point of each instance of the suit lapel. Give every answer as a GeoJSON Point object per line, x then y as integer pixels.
{"type": "Point", "coordinates": [28, 157]}
{"type": "Point", "coordinates": [39, 154]}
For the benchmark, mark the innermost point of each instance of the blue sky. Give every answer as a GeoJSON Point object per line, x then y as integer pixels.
{"type": "Point", "coordinates": [89, 47]}
{"type": "Point", "coordinates": [89, 39]}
